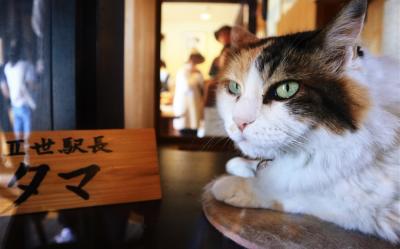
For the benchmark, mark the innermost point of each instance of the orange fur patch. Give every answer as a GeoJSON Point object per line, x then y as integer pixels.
{"type": "Point", "coordinates": [360, 101]}
{"type": "Point", "coordinates": [239, 64]}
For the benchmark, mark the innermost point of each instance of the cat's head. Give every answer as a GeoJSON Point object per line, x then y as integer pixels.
{"type": "Point", "coordinates": [275, 92]}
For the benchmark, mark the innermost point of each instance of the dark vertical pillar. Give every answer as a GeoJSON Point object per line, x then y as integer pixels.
{"type": "Point", "coordinates": [109, 64]}
{"type": "Point", "coordinates": [4, 120]}
{"type": "Point", "coordinates": [3, 19]}
{"type": "Point", "coordinates": [99, 64]}
{"type": "Point", "coordinates": [86, 21]}
{"type": "Point", "coordinates": [252, 16]}
{"type": "Point", "coordinates": [63, 64]}
{"type": "Point", "coordinates": [264, 9]}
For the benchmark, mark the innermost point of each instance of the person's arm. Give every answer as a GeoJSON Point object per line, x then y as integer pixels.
{"type": "Point", "coordinates": [4, 89]}
{"type": "Point", "coordinates": [214, 68]}
{"type": "Point", "coordinates": [201, 83]}
{"type": "Point", "coordinates": [31, 77]}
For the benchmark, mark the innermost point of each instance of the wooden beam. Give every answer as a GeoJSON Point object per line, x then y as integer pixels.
{"type": "Point", "coordinates": [139, 63]}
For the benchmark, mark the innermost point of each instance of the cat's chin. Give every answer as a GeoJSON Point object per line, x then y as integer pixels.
{"type": "Point", "coordinates": [247, 147]}
{"type": "Point", "coordinates": [255, 151]}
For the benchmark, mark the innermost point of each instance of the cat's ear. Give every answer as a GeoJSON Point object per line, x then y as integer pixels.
{"type": "Point", "coordinates": [241, 37]}
{"type": "Point", "coordinates": [346, 28]}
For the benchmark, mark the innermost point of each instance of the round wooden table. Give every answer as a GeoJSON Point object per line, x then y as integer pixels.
{"type": "Point", "coordinates": [261, 228]}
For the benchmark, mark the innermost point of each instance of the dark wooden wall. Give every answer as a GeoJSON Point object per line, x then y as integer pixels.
{"type": "Point", "coordinates": [83, 49]}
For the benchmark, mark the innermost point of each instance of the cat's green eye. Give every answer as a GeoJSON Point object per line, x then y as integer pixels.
{"type": "Point", "coordinates": [234, 88]}
{"type": "Point", "coordinates": [287, 90]}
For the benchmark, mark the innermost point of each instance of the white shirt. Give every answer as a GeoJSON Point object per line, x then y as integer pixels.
{"type": "Point", "coordinates": [188, 103]}
{"type": "Point", "coordinates": [17, 76]}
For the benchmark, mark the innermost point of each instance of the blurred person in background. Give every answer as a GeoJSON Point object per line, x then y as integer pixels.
{"type": "Point", "coordinates": [188, 98]}
{"type": "Point", "coordinates": [164, 77]}
{"type": "Point", "coordinates": [229, 37]}
{"type": "Point", "coordinates": [223, 36]}
{"type": "Point", "coordinates": [17, 84]}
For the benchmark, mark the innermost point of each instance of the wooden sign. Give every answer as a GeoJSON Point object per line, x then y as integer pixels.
{"type": "Point", "coordinates": [68, 169]}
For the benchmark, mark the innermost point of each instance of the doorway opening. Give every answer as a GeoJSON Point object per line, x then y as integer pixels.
{"type": "Point", "coordinates": [192, 40]}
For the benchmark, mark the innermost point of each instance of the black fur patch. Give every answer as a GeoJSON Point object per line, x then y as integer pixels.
{"type": "Point", "coordinates": [326, 102]}
{"type": "Point", "coordinates": [273, 54]}
{"type": "Point", "coordinates": [323, 97]}
{"type": "Point", "coordinates": [305, 58]}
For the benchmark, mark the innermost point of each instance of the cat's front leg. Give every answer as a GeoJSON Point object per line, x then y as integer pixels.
{"type": "Point", "coordinates": [239, 166]}
{"type": "Point", "coordinates": [237, 191]}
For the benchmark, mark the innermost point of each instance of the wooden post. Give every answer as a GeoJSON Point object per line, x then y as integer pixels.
{"type": "Point", "coordinates": [139, 64]}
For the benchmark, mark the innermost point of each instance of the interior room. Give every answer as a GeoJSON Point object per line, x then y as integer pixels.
{"type": "Point", "coordinates": [121, 120]}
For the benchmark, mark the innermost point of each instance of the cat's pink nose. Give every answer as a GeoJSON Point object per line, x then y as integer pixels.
{"type": "Point", "coordinates": [242, 124]}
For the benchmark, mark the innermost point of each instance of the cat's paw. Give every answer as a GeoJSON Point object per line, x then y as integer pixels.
{"type": "Point", "coordinates": [240, 166]}
{"type": "Point", "coordinates": [234, 191]}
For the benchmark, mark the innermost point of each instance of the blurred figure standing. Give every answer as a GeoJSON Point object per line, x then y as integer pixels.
{"type": "Point", "coordinates": [18, 82]}
{"type": "Point", "coordinates": [188, 100]}
{"type": "Point", "coordinates": [212, 122]}
{"type": "Point", "coordinates": [164, 77]}
{"type": "Point", "coordinates": [223, 36]}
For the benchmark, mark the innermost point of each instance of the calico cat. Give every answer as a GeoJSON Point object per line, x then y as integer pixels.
{"type": "Point", "coordinates": [321, 118]}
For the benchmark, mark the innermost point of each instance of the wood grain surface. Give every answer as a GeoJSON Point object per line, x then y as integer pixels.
{"type": "Point", "coordinates": [262, 228]}
{"type": "Point", "coordinates": [127, 174]}
{"type": "Point", "coordinates": [140, 63]}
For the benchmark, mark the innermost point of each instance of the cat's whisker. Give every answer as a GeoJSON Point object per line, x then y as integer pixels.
{"type": "Point", "coordinates": [207, 145]}
{"type": "Point", "coordinates": [227, 140]}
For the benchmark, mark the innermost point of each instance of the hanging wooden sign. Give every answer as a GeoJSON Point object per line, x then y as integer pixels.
{"type": "Point", "coordinates": [69, 169]}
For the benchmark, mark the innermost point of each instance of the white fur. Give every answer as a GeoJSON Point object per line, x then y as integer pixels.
{"type": "Point", "coordinates": [351, 179]}
{"type": "Point", "coordinates": [239, 166]}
